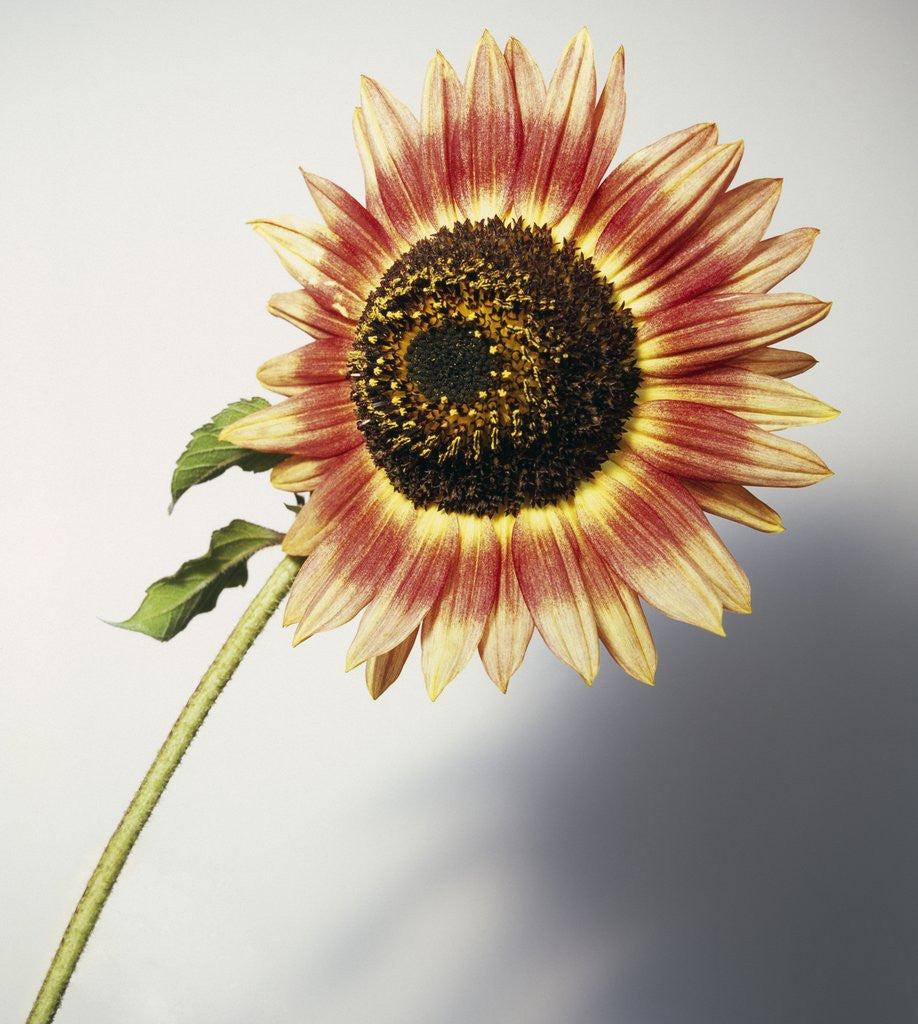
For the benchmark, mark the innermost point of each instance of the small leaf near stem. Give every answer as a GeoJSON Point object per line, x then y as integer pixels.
{"type": "Point", "coordinates": [206, 456]}
{"type": "Point", "coordinates": [172, 602]}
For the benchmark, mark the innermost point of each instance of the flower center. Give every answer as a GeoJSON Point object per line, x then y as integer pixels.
{"type": "Point", "coordinates": [492, 369]}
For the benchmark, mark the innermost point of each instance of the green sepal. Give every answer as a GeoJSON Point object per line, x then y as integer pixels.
{"type": "Point", "coordinates": [206, 456]}
{"type": "Point", "coordinates": [172, 602]}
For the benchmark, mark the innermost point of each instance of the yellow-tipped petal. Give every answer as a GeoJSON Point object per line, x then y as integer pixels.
{"type": "Point", "coordinates": [454, 624]}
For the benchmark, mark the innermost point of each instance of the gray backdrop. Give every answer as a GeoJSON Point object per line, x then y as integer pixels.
{"type": "Point", "coordinates": [736, 844]}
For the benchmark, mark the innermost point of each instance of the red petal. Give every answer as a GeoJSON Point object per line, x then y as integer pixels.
{"type": "Point", "coordinates": [635, 173]}
{"type": "Point", "coordinates": [552, 163]}
{"type": "Point", "coordinates": [620, 619]}
{"type": "Point", "coordinates": [319, 422]}
{"type": "Point", "coordinates": [441, 111]}
{"type": "Point", "coordinates": [770, 403]}
{"type": "Point", "coordinates": [545, 560]}
{"type": "Point", "coordinates": [509, 627]}
{"type": "Point", "coordinates": [732, 501]}
{"type": "Point", "coordinates": [715, 328]}
{"type": "Point", "coordinates": [771, 261]}
{"type": "Point", "coordinates": [528, 83]}
{"type": "Point", "coordinates": [716, 249]}
{"type": "Point", "coordinates": [384, 669]}
{"type": "Point", "coordinates": [300, 309]}
{"type": "Point", "coordinates": [630, 535]}
{"type": "Point", "coordinates": [393, 136]}
{"type": "Point", "coordinates": [454, 624]}
{"type": "Point", "coordinates": [606, 130]}
{"type": "Point", "coordinates": [691, 530]}
{"type": "Point", "coordinates": [313, 255]}
{"type": "Point", "coordinates": [776, 362]}
{"type": "Point", "coordinates": [412, 587]}
{"type": "Point", "coordinates": [321, 362]}
{"type": "Point", "coordinates": [661, 213]}
{"type": "Point", "coordinates": [349, 566]}
{"type": "Point", "coordinates": [371, 183]}
{"type": "Point", "coordinates": [343, 481]}
{"type": "Point", "coordinates": [703, 443]}
{"type": "Point", "coordinates": [365, 238]}
{"type": "Point", "coordinates": [486, 147]}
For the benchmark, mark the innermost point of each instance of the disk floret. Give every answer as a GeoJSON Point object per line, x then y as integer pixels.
{"type": "Point", "coordinates": [492, 369]}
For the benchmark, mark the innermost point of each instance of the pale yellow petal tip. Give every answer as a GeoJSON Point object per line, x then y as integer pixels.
{"type": "Point", "coordinates": [291, 547]}
{"type": "Point", "coordinates": [226, 434]}
{"type": "Point", "coordinates": [353, 659]}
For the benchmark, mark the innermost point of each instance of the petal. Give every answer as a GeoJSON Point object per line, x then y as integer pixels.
{"type": "Point", "coordinates": [662, 212]}
{"type": "Point", "coordinates": [408, 593]}
{"type": "Point", "coordinates": [384, 669]}
{"type": "Point", "coordinates": [771, 261]}
{"type": "Point", "coordinates": [703, 443]}
{"type": "Point", "coordinates": [652, 163]}
{"type": "Point", "coordinates": [732, 501]}
{"type": "Point", "coordinates": [454, 624]}
{"type": "Point", "coordinates": [528, 83]}
{"type": "Point", "coordinates": [311, 255]}
{"type": "Point", "coordinates": [628, 534]}
{"type": "Point", "coordinates": [393, 137]}
{"type": "Point", "coordinates": [441, 111]}
{"type": "Point", "coordinates": [351, 563]}
{"type": "Point", "coordinates": [343, 481]}
{"type": "Point", "coordinates": [360, 232]}
{"type": "Point", "coordinates": [552, 163]}
{"type": "Point", "coordinates": [620, 619]}
{"type": "Point", "coordinates": [606, 130]}
{"type": "Point", "coordinates": [545, 560]}
{"type": "Point", "coordinates": [718, 247]}
{"type": "Point", "coordinates": [486, 147]}
{"type": "Point", "coordinates": [371, 183]}
{"type": "Point", "coordinates": [298, 474]}
{"type": "Point", "coordinates": [321, 362]}
{"type": "Point", "coordinates": [770, 403]}
{"type": "Point", "coordinates": [319, 422]}
{"type": "Point", "coordinates": [691, 530]}
{"type": "Point", "coordinates": [509, 627]}
{"type": "Point", "coordinates": [776, 362]}
{"type": "Point", "coordinates": [715, 328]}
{"type": "Point", "coordinates": [301, 309]}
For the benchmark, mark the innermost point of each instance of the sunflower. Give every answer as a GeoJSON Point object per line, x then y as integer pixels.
{"type": "Point", "coordinates": [529, 379]}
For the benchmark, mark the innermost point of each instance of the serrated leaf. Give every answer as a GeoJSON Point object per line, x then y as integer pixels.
{"type": "Point", "coordinates": [172, 602]}
{"type": "Point", "coordinates": [206, 456]}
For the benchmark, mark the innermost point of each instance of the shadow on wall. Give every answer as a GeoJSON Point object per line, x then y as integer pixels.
{"type": "Point", "coordinates": [737, 844]}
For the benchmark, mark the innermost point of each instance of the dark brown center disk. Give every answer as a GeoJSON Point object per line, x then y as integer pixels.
{"type": "Point", "coordinates": [492, 369]}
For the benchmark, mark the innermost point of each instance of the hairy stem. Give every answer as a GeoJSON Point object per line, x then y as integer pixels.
{"type": "Point", "coordinates": [151, 789]}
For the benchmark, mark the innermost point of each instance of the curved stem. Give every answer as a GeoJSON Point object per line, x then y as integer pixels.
{"type": "Point", "coordinates": [151, 789]}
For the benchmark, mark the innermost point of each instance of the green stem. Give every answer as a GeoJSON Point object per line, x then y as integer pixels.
{"type": "Point", "coordinates": [151, 789]}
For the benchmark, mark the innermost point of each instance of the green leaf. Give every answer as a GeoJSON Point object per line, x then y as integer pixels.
{"type": "Point", "coordinates": [172, 602]}
{"type": "Point", "coordinates": [206, 457]}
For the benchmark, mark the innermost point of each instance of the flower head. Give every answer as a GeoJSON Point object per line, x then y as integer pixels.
{"type": "Point", "coordinates": [530, 379]}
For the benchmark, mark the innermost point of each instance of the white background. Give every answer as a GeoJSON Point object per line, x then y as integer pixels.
{"type": "Point", "coordinates": [736, 844]}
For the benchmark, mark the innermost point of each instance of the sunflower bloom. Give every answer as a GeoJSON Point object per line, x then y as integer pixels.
{"type": "Point", "coordinates": [530, 378]}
